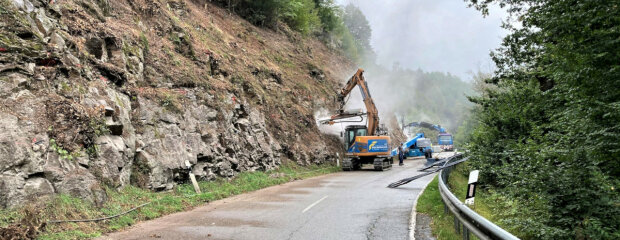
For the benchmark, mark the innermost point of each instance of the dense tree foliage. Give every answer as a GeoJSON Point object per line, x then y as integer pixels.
{"type": "Point", "coordinates": [300, 15]}
{"type": "Point", "coordinates": [330, 14]}
{"type": "Point", "coordinates": [360, 30]}
{"type": "Point", "coordinates": [547, 133]}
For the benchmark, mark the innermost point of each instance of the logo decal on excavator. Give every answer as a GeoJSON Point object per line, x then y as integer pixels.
{"type": "Point", "coordinates": [372, 145]}
{"type": "Point", "coordinates": [380, 145]}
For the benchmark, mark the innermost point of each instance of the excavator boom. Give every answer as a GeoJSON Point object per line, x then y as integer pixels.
{"type": "Point", "coordinates": [371, 110]}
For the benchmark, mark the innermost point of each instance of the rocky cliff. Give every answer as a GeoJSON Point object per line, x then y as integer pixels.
{"type": "Point", "coordinates": [97, 93]}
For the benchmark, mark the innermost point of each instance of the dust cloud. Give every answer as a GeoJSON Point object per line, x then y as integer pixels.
{"type": "Point", "coordinates": [422, 57]}
{"type": "Point", "coordinates": [334, 129]}
{"type": "Point", "coordinates": [439, 35]}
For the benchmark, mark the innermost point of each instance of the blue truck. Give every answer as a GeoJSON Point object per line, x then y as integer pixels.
{"type": "Point", "coordinates": [446, 142]}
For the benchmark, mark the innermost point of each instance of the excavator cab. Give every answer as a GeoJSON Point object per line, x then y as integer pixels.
{"type": "Point", "coordinates": [351, 132]}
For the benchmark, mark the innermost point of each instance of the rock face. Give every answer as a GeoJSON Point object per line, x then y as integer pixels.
{"type": "Point", "coordinates": [240, 144]}
{"type": "Point", "coordinates": [91, 98]}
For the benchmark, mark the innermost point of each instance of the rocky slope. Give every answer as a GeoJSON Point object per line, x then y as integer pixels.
{"type": "Point", "coordinates": [97, 93]}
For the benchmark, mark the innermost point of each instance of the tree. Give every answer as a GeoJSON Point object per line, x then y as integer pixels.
{"type": "Point", "coordinates": [549, 132]}
{"type": "Point", "coordinates": [300, 15]}
{"type": "Point", "coordinates": [330, 14]}
{"type": "Point", "coordinates": [356, 22]}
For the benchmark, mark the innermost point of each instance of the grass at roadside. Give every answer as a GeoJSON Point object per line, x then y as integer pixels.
{"type": "Point", "coordinates": [443, 223]}
{"type": "Point", "coordinates": [181, 198]}
{"type": "Point", "coordinates": [430, 203]}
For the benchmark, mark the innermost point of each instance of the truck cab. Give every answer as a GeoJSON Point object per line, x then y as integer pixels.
{"type": "Point", "coordinates": [445, 141]}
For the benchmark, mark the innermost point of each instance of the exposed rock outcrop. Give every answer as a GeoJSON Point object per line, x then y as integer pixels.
{"type": "Point", "coordinates": [91, 96]}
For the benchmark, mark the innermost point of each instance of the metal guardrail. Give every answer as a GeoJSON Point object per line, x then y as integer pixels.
{"type": "Point", "coordinates": [467, 218]}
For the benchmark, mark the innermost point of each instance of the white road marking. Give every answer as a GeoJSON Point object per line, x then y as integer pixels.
{"type": "Point", "coordinates": [314, 204]}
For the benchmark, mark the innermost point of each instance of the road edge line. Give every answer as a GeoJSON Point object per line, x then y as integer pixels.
{"type": "Point", "coordinates": [413, 211]}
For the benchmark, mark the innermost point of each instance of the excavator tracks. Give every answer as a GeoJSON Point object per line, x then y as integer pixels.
{"type": "Point", "coordinates": [379, 164]}
{"type": "Point", "coordinates": [351, 164]}
{"type": "Point", "coordinates": [382, 164]}
{"type": "Point", "coordinates": [347, 164]}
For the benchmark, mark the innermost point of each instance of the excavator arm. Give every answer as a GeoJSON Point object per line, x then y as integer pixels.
{"type": "Point", "coordinates": [371, 109]}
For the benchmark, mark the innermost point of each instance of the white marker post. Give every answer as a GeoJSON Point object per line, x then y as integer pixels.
{"type": "Point", "coordinates": [471, 187]}
{"type": "Point", "coordinates": [337, 160]}
{"type": "Point", "coordinates": [192, 177]}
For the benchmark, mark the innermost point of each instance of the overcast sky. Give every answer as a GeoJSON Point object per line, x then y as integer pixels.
{"type": "Point", "coordinates": [434, 35]}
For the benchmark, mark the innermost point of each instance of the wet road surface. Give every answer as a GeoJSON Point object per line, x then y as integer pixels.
{"type": "Point", "coordinates": [343, 205]}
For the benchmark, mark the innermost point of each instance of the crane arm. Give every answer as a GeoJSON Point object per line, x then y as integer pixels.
{"type": "Point", "coordinates": [426, 125]}
{"type": "Point", "coordinates": [371, 109]}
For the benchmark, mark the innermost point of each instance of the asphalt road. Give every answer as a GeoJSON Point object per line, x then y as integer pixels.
{"type": "Point", "coordinates": [343, 205]}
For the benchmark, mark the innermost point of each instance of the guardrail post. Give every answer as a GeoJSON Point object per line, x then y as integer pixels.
{"type": "Point", "coordinates": [457, 225]}
{"type": "Point", "coordinates": [465, 233]}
